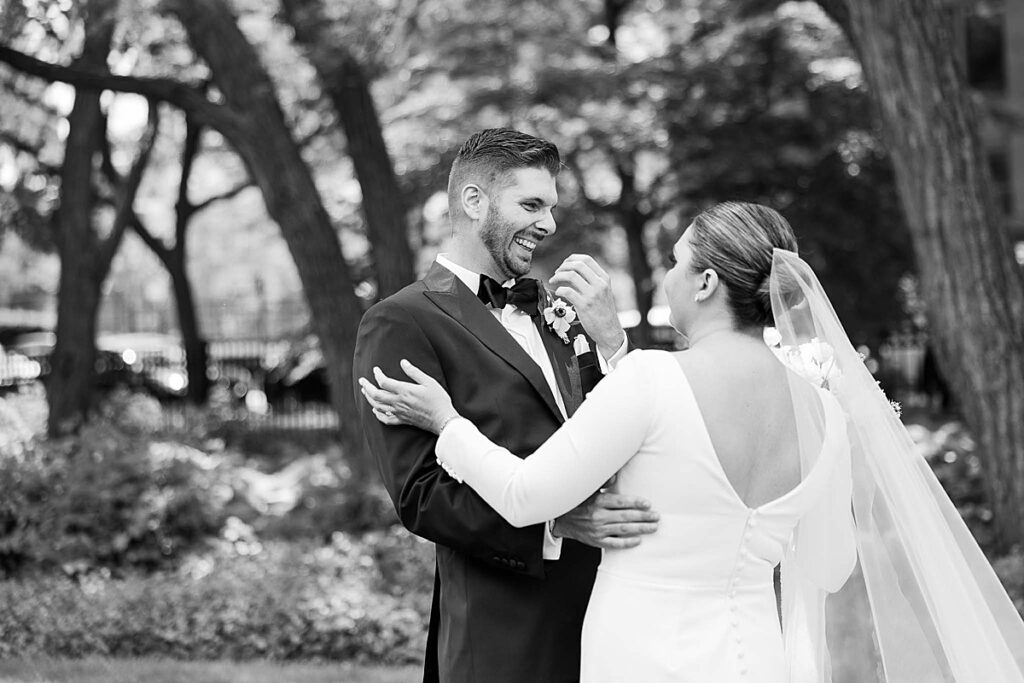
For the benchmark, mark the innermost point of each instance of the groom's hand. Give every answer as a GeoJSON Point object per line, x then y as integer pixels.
{"type": "Point", "coordinates": [582, 282]}
{"type": "Point", "coordinates": [608, 520]}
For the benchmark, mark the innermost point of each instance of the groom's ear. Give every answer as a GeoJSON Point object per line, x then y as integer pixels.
{"type": "Point", "coordinates": [474, 201]}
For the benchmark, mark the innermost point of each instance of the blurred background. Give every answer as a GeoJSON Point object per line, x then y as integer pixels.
{"type": "Point", "coordinates": [199, 198]}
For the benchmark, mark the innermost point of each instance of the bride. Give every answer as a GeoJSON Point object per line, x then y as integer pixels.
{"type": "Point", "coordinates": [755, 456]}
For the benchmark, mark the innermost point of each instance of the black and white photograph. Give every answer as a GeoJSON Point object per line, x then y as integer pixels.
{"type": "Point", "coordinates": [519, 341]}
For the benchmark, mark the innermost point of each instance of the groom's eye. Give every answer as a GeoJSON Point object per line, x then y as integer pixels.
{"type": "Point", "coordinates": [672, 259]}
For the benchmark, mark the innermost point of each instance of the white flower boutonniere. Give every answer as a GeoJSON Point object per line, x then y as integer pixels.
{"type": "Point", "coordinates": [559, 316]}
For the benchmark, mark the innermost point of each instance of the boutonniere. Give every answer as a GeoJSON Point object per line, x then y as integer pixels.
{"type": "Point", "coordinates": [559, 316]}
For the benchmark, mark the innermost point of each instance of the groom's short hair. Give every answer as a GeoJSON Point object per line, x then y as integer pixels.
{"type": "Point", "coordinates": [489, 154]}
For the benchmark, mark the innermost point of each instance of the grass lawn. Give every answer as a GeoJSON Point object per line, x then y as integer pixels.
{"type": "Point", "coordinates": [97, 670]}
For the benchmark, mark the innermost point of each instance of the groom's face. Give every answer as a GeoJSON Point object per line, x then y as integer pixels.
{"type": "Point", "coordinates": [518, 219]}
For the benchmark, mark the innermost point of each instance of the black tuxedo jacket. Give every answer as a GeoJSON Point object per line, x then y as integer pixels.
{"type": "Point", "coordinates": [500, 612]}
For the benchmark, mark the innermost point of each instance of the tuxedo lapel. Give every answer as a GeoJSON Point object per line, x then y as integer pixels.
{"type": "Point", "coordinates": [563, 362]}
{"type": "Point", "coordinates": [449, 294]}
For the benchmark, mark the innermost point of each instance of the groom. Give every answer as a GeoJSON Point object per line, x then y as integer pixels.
{"type": "Point", "coordinates": [508, 603]}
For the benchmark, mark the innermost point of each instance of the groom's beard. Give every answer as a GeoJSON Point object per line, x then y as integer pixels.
{"type": "Point", "coordinates": [497, 234]}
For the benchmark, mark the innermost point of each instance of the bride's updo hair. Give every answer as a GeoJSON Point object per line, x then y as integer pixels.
{"type": "Point", "coordinates": [735, 239]}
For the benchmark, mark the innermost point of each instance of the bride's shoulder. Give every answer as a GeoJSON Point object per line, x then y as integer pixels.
{"type": "Point", "coordinates": [648, 368]}
{"type": "Point", "coordinates": [648, 358]}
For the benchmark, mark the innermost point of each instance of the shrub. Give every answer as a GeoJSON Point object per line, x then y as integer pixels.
{"type": "Point", "coordinates": [108, 496]}
{"type": "Point", "coordinates": [327, 498]}
{"type": "Point", "coordinates": [277, 601]}
{"type": "Point", "coordinates": [952, 455]}
{"type": "Point", "coordinates": [127, 491]}
{"type": "Point", "coordinates": [1010, 570]}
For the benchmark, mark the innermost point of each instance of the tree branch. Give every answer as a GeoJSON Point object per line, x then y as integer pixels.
{"type": "Point", "coordinates": [107, 160]}
{"type": "Point", "coordinates": [181, 95]}
{"type": "Point", "coordinates": [574, 168]}
{"type": "Point", "coordinates": [228, 194]}
{"type": "Point", "coordinates": [657, 185]}
{"type": "Point", "coordinates": [629, 197]}
{"type": "Point", "coordinates": [127, 190]}
{"type": "Point", "coordinates": [155, 244]}
{"type": "Point", "coordinates": [189, 150]}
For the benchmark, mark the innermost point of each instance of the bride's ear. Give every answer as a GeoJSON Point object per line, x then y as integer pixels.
{"type": "Point", "coordinates": [708, 285]}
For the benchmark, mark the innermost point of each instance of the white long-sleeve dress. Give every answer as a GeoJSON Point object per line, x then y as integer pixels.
{"type": "Point", "coordinates": [695, 600]}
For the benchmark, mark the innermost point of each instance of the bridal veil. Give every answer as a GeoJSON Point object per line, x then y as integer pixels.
{"type": "Point", "coordinates": [937, 609]}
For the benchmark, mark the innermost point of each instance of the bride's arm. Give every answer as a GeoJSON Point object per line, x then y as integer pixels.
{"type": "Point", "coordinates": [607, 430]}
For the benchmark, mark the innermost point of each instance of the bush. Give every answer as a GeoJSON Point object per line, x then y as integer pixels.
{"type": "Point", "coordinates": [108, 496]}
{"type": "Point", "coordinates": [241, 601]}
{"type": "Point", "coordinates": [326, 499]}
{"type": "Point", "coordinates": [129, 492]}
{"type": "Point", "coordinates": [953, 457]}
{"type": "Point", "coordinates": [1010, 570]}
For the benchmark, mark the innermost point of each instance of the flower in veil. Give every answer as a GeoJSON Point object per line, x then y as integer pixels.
{"type": "Point", "coordinates": [814, 360]}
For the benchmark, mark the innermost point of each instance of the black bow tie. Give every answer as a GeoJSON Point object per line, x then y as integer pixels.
{"type": "Point", "coordinates": [523, 294]}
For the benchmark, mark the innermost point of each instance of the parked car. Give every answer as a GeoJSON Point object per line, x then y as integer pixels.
{"type": "Point", "coordinates": [153, 363]}
{"type": "Point", "coordinates": [37, 346]}
{"type": "Point", "coordinates": [16, 369]}
{"type": "Point", "coordinates": [156, 360]}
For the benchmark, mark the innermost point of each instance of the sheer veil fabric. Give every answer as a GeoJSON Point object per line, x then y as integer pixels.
{"type": "Point", "coordinates": [938, 611]}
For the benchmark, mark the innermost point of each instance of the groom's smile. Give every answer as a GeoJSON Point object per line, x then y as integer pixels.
{"type": "Point", "coordinates": [525, 243]}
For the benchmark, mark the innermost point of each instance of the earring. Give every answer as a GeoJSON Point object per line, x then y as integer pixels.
{"type": "Point", "coordinates": [696, 297]}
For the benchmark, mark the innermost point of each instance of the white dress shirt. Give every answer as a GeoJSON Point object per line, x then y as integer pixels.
{"type": "Point", "coordinates": [521, 327]}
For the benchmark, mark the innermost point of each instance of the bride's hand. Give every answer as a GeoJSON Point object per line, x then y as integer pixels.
{"type": "Point", "coordinates": [421, 403]}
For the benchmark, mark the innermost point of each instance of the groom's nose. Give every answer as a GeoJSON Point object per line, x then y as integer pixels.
{"type": "Point", "coordinates": [546, 224]}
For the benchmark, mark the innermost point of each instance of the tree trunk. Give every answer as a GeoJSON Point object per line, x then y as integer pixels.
{"type": "Point", "coordinates": [627, 208]}
{"type": "Point", "coordinates": [643, 278]}
{"type": "Point", "coordinates": [173, 260]}
{"type": "Point", "coordinates": [634, 220]}
{"type": "Point", "coordinates": [265, 144]}
{"type": "Point", "coordinates": [70, 385]}
{"type": "Point", "coordinates": [196, 354]}
{"type": "Point", "coordinates": [973, 288]}
{"type": "Point", "coordinates": [345, 82]}
{"type": "Point", "coordinates": [1014, 46]}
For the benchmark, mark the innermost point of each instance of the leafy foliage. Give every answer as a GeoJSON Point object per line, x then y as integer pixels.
{"type": "Point", "coordinates": [684, 104]}
{"type": "Point", "coordinates": [953, 456]}
{"type": "Point", "coordinates": [696, 100]}
{"type": "Point", "coordinates": [129, 493]}
{"type": "Point", "coordinates": [1010, 570]}
{"type": "Point", "coordinates": [284, 603]}
{"type": "Point", "coordinates": [107, 497]}
{"type": "Point", "coordinates": [140, 545]}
